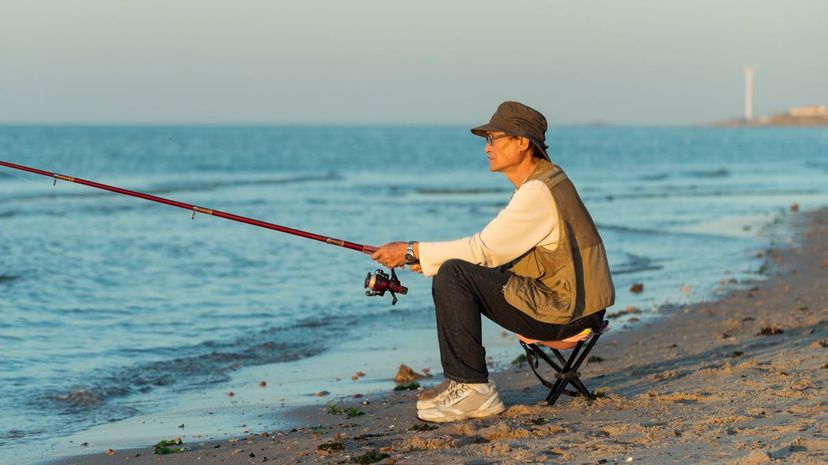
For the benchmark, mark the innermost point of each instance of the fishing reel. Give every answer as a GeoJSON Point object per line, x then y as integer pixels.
{"type": "Point", "coordinates": [378, 282]}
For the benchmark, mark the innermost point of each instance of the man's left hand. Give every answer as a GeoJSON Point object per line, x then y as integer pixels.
{"type": "Point", "coordinates": [391, 255]}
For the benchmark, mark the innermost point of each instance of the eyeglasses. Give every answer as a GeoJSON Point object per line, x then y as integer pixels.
{"type": "Point", "coordinates": [490, 138]}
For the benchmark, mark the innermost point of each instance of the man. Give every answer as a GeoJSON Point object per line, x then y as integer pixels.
{"type": "Point", "coordinates": [538, 268]}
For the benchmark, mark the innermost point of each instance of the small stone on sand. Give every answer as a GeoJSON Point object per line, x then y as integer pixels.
{"type": "Point", "coordinates": [637, 288]}
{"type": "Point", "coordinates": [110, 452]}
{"type": "Point", "coordinates": [230, 393]}
{"type": "Point", "coordinates": [322, 393]}
{"type": "Point", "coordinates": [262, 383]}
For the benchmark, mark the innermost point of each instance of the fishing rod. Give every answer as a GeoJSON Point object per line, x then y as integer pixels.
{"type": "Point", "coordinates": [376, 283]}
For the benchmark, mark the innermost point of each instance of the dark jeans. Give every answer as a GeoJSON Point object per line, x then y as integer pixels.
{"type": "Point", "coordinates": [462, 292]}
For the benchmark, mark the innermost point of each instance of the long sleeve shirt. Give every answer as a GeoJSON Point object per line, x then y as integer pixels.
{"type": "Point", "coordinates": [529, 220]}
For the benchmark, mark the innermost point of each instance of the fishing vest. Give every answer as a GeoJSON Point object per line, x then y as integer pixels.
{"type": "Point", "coordinates": [573, 280]}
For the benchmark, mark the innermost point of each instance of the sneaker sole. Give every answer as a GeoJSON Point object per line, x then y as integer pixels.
{"type": "Point", "coordinates": [493, 410]}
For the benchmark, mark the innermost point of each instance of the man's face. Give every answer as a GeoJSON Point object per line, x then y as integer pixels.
{"type": "Point", "coordinates": [504, 151]}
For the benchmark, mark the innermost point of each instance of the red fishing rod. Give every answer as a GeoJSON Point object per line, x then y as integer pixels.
{"type": "Point", "coordinates": [375, 284]}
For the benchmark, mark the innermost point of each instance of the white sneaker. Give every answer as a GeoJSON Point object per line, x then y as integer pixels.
{"type": "Point", "coordinates": [432, 396]}
{"type": "Point", "coordinates": [463, 400]}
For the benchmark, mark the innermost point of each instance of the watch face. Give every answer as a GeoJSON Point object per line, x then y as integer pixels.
{"type": "Point", "coordinates": [409, 258]}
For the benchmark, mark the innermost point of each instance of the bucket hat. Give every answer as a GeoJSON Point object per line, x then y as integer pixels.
{"type": "Point", "coordinates": [517, 119]}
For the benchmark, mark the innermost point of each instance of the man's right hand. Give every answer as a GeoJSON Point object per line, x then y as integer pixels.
{"type": "Point", "coordinates": [416, 268]}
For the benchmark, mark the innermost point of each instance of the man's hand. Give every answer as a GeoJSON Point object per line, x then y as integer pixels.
{"type": "Point", "coordinates": [391, 255]}
{"type": "Point", "coordinates": [416, 268]}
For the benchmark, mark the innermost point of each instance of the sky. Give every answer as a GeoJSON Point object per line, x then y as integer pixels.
{"type": "Point", "coordinates": [401, 62]}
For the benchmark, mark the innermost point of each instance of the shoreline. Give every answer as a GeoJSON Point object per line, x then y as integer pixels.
{"type": "Point", "coordinates": [701, 382]}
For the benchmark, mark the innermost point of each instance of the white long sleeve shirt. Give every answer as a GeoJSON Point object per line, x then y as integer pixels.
{"type": "Point", "coordinates": [529, 220]}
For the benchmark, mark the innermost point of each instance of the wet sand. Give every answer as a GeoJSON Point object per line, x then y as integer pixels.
{"type": "Point", "coordinates": [741, 380]}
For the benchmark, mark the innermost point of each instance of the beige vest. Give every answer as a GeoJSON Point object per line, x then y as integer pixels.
{"type": "Point", "coordinates": [573, 280]}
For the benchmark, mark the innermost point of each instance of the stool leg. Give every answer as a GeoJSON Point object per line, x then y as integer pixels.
{"type": "Point", "coordinates": [548, 360]}
{"type": "Point", "coordinates": [565, 369]}
{"type": "Point", "coordinates": [555, 392]}
{"type": "Point", "coordinates": [572, 357]}
{"type": "Point", "coordinates": [587, 350]}
{"type": "Point", "coordinates": [559, 356]}
{"type": "Point", "coordinates": [568, 366]}
{"type": "Point", "coordinates": [576, 382]}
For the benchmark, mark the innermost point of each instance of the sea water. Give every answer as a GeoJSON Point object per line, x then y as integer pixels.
{"type": "Point", "coordinates": [123, 320]}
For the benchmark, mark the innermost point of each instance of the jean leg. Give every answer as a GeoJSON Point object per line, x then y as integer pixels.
{"type": "Point", "coordinates": [459, 329]}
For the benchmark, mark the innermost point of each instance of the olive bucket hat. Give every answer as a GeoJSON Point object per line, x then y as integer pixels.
{"type": "Point", "coordinates": [516, 119]}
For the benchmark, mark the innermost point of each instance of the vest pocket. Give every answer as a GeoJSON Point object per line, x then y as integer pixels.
{"type": "Point", "coordinates": [546, 302]}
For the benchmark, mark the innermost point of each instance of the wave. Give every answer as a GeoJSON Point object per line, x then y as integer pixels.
{"type": "Point", "coordinates": [17, 434]}
{"type": "Point", "coordinates": [198, 366]}
{"type": "Point", "coordinates": [654, 177]}
{"type": "Point", "coordinates": [174, 187]}
{"type": "Point", "coordinates": [673, 192]}
{"type": "Point", "coordinates": [717, 173]}
{"type": "Point", "coordinates": [630, 229]}
{"type": "Point", "coordinates": [460, 191]}
{"type": "Point", "coordinates": [635, 264]}
{"type": "Point", "coordinates": [659, 232]}
{"type": "Point", "coordinates": [81, 398]}
{"type": "Point", "coordinates": [104, 394]}
{"type": "Point", "coordinates": [818, 165]}
{"type": "Point", "coordinates": [107, 394]}
{"type": "Point", "coordinates": [204, 186]}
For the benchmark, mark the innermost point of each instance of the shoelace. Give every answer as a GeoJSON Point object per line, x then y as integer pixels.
{"type": "Point", "coordinates": [455, 390]}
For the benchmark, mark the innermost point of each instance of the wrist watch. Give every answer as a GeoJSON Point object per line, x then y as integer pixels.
{"type": "Point", "coordinates": [410, 259]}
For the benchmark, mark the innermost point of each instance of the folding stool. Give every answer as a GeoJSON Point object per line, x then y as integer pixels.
{"type": "Point", "coordinates": [567, 371]}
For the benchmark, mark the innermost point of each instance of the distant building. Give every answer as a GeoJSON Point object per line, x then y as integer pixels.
{"type": "Point", "coordinates": [808, 111]}
{"type": "Point", "coordinates": [807, 115]}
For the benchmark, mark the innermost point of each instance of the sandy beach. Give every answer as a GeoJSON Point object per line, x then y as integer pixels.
{"type": "Point", "coordinates": [740, 380]}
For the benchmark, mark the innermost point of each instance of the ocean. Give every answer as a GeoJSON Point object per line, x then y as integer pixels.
{"type": "Point", "coordinates": [124, 321]}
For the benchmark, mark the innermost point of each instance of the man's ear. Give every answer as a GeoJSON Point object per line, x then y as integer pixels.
{"type": "Point", "coordinates": [524, 144]}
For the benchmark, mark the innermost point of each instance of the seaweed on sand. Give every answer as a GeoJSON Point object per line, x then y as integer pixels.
{"type": "Point", "coordinates": [163, 446]}
{"type": "Point", "coordinates": [408, 387]}
{"type": "Point", "coordinates": [371, 456]}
